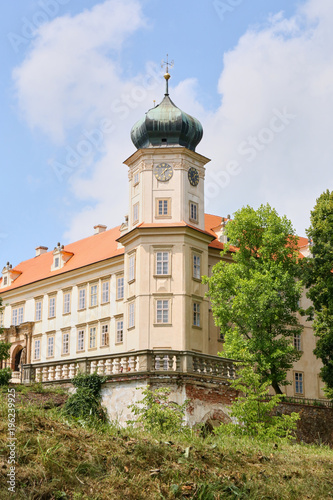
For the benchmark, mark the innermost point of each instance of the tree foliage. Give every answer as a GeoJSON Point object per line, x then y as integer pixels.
{"type": "Point", "coordinates": [5, 373]}
{"type": "Point", "coordinates": [253, 410]}
{"type": "Point", "coordinates": [85, 403]}
{"type": "Point", "coordinates": [157, 414]}
{"type": "Point", "coordinates": [319, 279]}
{"type": "Point", "coordinates": [255, 299]}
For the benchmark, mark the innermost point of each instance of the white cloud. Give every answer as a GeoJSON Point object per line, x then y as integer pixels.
{"type": "Point", "coordinates": [285, 65]}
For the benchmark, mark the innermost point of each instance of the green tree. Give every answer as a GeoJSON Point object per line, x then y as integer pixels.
{"type": "Point", "coordinates": [255, 299]}
{"type": "Point", "coordinates": [319, 279]}
{"type": "Point", "coordinates": [5, 373]}
{"type": "Point", "coordinates": [253, 408]}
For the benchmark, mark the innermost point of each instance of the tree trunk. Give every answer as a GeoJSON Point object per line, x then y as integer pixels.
{"type": "Point", "coordinates": [276, 388]}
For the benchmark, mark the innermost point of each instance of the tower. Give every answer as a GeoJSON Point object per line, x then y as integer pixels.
{"type": "Point", "coordinates": [166, 245]}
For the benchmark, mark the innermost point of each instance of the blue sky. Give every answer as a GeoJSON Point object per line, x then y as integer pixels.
{"type": "Point", "coordinates": [77, 75]}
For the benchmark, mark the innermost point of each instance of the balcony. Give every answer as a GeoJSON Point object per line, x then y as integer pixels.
{"type": "Point", "coordinates": [158, 363]}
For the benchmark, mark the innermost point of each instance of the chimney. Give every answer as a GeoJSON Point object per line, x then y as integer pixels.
{"type": "Point", "coordinates": [41, 250]}
{"type": "Point", "coordinates": [100, 228]}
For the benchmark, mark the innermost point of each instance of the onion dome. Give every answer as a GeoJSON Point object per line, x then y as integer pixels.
{"type": "Point", "coordinates": [166, 125]}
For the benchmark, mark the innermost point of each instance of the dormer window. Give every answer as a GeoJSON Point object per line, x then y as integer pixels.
{"type": "Point", "coordinates": [9, 275]}
{"type": "Point", "coordinates": [60, 257]}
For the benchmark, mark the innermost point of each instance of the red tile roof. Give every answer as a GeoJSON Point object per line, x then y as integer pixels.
{"type": "Point", "coordinates": [97, 248]}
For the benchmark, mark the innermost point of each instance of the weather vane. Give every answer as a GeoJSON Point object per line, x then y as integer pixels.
{"type": "Point", "coordinates": [167, 75]}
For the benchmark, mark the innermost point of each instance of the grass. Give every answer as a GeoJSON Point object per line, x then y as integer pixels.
{"type": "Point", "coordinates": [58, 459]}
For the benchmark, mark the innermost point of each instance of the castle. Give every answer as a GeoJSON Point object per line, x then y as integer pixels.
{"type": "Point", "coordinates": [129, 300]}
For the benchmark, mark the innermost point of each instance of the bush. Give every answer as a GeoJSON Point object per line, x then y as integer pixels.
{"type": "Point", "coordinates": [85, 403]}
{"type": "Point", "coordinates": [252, 412]}
{"type": "Point", "coordinates": [5, 376]}
{"type": "Point", "coordinates": [156, 414]}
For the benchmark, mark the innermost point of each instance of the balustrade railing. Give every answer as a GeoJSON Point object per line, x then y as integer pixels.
{"type": "Point", "coordinates": [129, 364]}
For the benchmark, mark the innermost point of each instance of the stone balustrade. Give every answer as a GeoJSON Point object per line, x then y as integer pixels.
{"type": "Point", "coordinates": [139, 362]}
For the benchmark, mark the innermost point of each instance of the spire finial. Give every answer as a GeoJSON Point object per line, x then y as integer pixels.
{"type": "Point", "coordinates": [167, 75]}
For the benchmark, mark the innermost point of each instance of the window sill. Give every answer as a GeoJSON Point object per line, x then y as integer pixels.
{"type": "Point", "coordinates": [196, 327]}
{"type": "Point", "coordinates": [93, 307]}
{"type": "Point", "coordinates": [50, 357]}
{"type": "Point", "coordinates": [119, 343]}
{"type": "Point", "coordinates": [118, 300]}
{"type": "Point", "coordinates": [66, 314]}
{"type": "Point", "coordinates": [66, 354]}
{"type": "Point", "coordinates": [163, 217]}
{"type": "Point", "coordinates": [198, 280]}
{"type": "Point", "coordinates": [162, 324]}
{"type": "Point", "coordinates": [104, 303]}
{"type": "Point", "coordinates": [51, 317]}
{"type": "Point", "coordinates": [82, 309]}
{"type": "Point", "coordinates": [80, 352]}
{"type": "Point", "coordinates": [92, 348]}
{"type": "Point", "coordinates": [194, 221]}
{"type": "Point", "coordinates": [131, 328]}
{"type": "Point", "coordinates": [162, 275]}
{"type": "Point", "coordinates": [104, 346]}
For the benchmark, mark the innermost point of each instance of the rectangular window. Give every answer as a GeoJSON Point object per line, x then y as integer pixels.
{"type": "Point", "coordinates": [92, 337]}
{"type": "Point", "coordinates": [37, 349]}
{"type": "Point", "coordinates": [56, 262]}
{"type": "Point", "coordinates": [136, 178]}
{"type": "Point", "coordinates": [162, 311]}
{"type": "Point", "coordinates": [67, 303]}
{"type": "Point", "coordinates": [50, 347]}
{"type": "Point", "coordinates": [120, 331]}
{"type": "Point", "coordinates": [135, 213]}
{"type": "Point", "coordinates": [14, 317]}
{"type": "Point", "coordinates": [120, 287]}
{"type": "Point", "coordinates": [193, 211]}
{"type": "Point", "coordinates": [65, 343]}
{"type": "Point", "coordinates": [163, 207]}
{"type": "Point", "coordinates": [196, 314]}
{"type": "Point", "coordinates": [82, 298]}
{"type": "Point", "coordinates": [80, 340]}
{"type": "Point", "coordinates": [51, 307]}
{"type": "Point", "coordinates": [162, 263]}
{"type": "Point", "coordinates": [131, 270]}
{"type": "Point", "coordinates": [196, 266]}
{"type": "Point", "coordinates": [297, 341]}
{"type": "Point", "coordinates": [131, 319]}
{"type": "Point", "coordinates": [38, 310]}
{"type": "Point", "coordinates": [105, 335]}
{"type": "Point", "coordinates": [105, 292]}
{"type": "Point", "coordinates": [5, 280]}
{"type": "Point", "coordinates": [298, 383]}
{"type": "Point", "coordinates": [93, 295]}
{"type": "Point", "coordinates": [20, 315]}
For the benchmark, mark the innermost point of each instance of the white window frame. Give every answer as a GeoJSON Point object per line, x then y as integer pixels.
{"type": "Point", "coordinates": [196, 314]}
{"type": "Point", "coordinates": [131, 315]}
{"type": "Point", "coordinates": [52, 307]}
{"type": "Point", "coordinates": [163, 208]}
{"type": "Point", "coordinates": [120, 331]}
{"type": "Point", "coordinates": [120, 287]}
{"type": "Point", "coordinates": [299, 383]}
{"type": "Point", "coordinates": [65, 343]}
{"type": "Point", "coordinates": [93, 337]}
{"type": "Point", "coordinates": [80, 340]}
{"type": "Point", "coordinates": [193, 215]}
{"type": "Point", "coordinates": [93, 295]}
{"type": "Point", "coordinates": [67, 303]}
{"type": "Point", "coordinates": [38, 310]}
{"type": "Point", "coordinates": [56, 262]}
{"type": "Point", "coordinates": [162, 263]}
{"type": "Point", "coordinates": [136, 178]}
{"type": "Point", "coordinates": [82, 298]}
{"type": "Point", "coordinates": [37, 349]}
{"type": "Point", "coordinates": [131, 268]}
{"type": "Point", "coordinates": [104, 335]}
{"type": "Point", "coordinates": [50, 346]}
{"type": "Point", "coordinates": [162, 311]}
{"type": "Point", "coordinates": [105, 292]}
{"type": "Point", "coordinates": [196, 266]}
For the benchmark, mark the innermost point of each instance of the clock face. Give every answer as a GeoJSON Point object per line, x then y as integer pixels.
{"type": "Point", "coordinates": [193, 176]}
{"type": "Point", "coordinates": [163, 172]}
